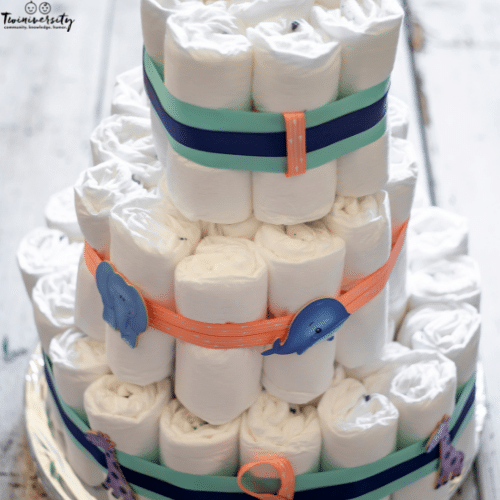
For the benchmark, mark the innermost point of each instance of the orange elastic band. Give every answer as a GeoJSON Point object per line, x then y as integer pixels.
{"type": "Point", "coordinates": [254, 333]}
{"type": "Point", "coordinates": [295, 143]}
{"type": "Point", "coordinates": [286, 475]}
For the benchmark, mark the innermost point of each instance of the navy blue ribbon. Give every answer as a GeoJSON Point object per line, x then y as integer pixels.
{"type": "Point", "coordinates": [268, 144]}
{"type": "Point", "coordinates": [341, 491]}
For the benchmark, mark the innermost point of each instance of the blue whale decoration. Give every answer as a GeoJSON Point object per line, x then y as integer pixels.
{"type": "Point", "coordinates": [317, 321]}
{"type": "Point", "coordinates": [124, 308]}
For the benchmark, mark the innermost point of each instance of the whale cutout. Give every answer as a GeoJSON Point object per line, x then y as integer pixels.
{"type": "Point", "coordinates": [316, 321]}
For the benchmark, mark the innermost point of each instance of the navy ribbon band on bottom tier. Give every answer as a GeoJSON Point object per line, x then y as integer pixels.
{"type": "Point", "coordinates": [350, 490]}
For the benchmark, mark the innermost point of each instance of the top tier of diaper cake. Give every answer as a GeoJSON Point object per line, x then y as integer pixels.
{"type": "Point", "coordinates": [251, 301]}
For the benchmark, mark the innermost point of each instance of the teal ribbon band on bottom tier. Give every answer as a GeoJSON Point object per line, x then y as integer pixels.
{"type": "Point", "coordinates": [246, 140]}
{"type": "Point", "coordinates": [369, 482]}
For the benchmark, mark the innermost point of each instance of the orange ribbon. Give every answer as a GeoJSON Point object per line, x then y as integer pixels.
{"type": "Point", "coordinates": [260, 332]}
{"type": "Point", "coordinates": [295, 143]}
{"type": "Point", "coordinates": [286, 475]}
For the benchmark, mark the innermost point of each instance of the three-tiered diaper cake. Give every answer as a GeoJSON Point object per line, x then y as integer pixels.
{"type": "Point", "coordinates": [237, 306]}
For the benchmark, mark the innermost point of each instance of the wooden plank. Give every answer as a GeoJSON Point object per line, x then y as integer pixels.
{"type": "Point", "coordinates": [460, 66]}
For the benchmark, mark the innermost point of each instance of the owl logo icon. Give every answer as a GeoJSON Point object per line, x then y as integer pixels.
{"type": "Point", "coordinates": [45, 7]}
{"type": "Point", "coordinates": [30, 8]}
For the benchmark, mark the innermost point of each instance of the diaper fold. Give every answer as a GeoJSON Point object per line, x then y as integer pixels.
{"type": "Point", "coordinates": [191, 445]}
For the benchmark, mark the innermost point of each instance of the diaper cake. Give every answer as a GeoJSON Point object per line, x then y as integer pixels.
{"type": "Point", "coordinates": [234, 300]}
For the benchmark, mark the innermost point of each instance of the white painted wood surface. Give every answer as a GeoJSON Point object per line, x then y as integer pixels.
{"type": "Point", "coordinates": [55, 87]}
{"type": "Point", "coordinates": [460, 67]}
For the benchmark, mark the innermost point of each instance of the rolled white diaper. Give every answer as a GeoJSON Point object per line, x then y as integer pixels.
{"type": "Point", "coordinates": [128, 138]}
{"type": "Point", "coordinates": [272, 426]}
{"type": "Point", "coordinates": [365, 170]}
{"type": "Point", "coordinates": [456, 279]}
{"type": "Point", "coordinates": [206, 193]}
{"type": "Point", "coordinates": [154, 15]}
{"type": "Point", "coordinates": [191, 445]}
{"type": "Point", "coordinates": [253, 12]}
{"type": "Point", "coordinates": [44, 251]}
{"type": "Point", "coordinates": [54, 304]}
{"type": "Point", "coordinates": [435, 234]}
{"type": "Point", "coordinates": [97, 191]}
{"type": "Point", "coordinates": [368, 32]}
{"type": "Point", "coordinates": [147, 243]}
{"type": "Point", "coordinates": [364, 225]}
{"type": "Point", "coordinates": [423, 393]}
{"type": "Point", "coordinates": [246, 229]}
{"type": "Point", "coordinates": [127, 413]}
{"type": "Point", "coordinates": [129, 97]}
{"type": "Point", "coordinates": [202, 43]}
{"type": "Point", "coordinates": [305, 262]}
{"type": "Point", "coordinates": [77, 361]}
{"type": "Point", "coordinates": [398, 117]}
{"type": "Point", "coordinates": [401, 190]}
{"type": "Point", "coordinates": [358, 428]}
{"type": "Point", "coordinates": [294, 70]}
{"type": "Point", "coordinates": [224, 281]}
{"type": "Point", "coordinates": [88, 303]}
{"type": "Point", "coordinates": [451, 328]}
{"type": "Point", "coordinates": [60, 214]}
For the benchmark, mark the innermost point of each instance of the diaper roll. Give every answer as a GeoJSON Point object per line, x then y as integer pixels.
{"type": "Point", "coordinates": [60, 214]}
{"type": "Point", "coordinates": [54, 304]}
{"type": "Point", "coordinates": [358, 428]}
{"type": "Point", "coordinates": [423, 393]}
{"type": "Point", "coordinates": [201, 44]}
{"type": "Point", "coordinates": [154, 15]}
{"type": "Point", "coordinates": [294, 70]}
{"type": "Point", "coordinates": [88, 303]}
{"type": "Point", "coordinates": [305, 262]}
{"type": "Point", "coordinates": [77, 361]}
{"type": "Point", "coordinates": [364, 225]}
{"type": "Point", "coordinates": [246, 229]}
{"type": "Point", "coordinates": [224, 281]}
{"type": "Point", "coordinates": [206, 193]}
{"type": "Point", "coordinates": [191, 445]}
{"type": "Point", "coordinates": [253, 12]}
{"type": "Point", "coordinates": [364, 171]}
{"type": "Point", "coordinates": [398, 117]}
{"type": "Point", "coordinates": [97, 191]}
{"type": "Point", "coordinates": [44, 251]}
{"type": "Point", "coordinates": [456, 279]}
{"type": "Point", "coordinates": [129, 414]}
{"type": "Point", "coordinates": [435, 234]}
{"type": "Point", "coordinates": [146, 245]}
{"type": "Point", "coordinates": [368, 33]}
{"type": "Point", "coordinates": [401, 190]}
{"type": "Point", "coordinates": [272, 426]}
{"type": "Point", "coordinates": [129, 97]}
{"type": "Point", "coordinates": [451, 328]}
{"type": "Point", "coordinates": [128, 138]}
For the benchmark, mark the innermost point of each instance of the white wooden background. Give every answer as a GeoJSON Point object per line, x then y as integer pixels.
{"type": "Point", "coordinates": [55, 88]}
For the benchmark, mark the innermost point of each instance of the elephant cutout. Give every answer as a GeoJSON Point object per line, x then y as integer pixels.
{"type": "Point", "coordinates": [124, 308]}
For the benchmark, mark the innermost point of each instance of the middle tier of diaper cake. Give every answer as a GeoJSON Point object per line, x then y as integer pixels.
{"type": "Point", "coordinates": [236, 246]}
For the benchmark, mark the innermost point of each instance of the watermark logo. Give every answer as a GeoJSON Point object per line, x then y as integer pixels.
{"type": "Point", "coordinates": [37, 18]}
